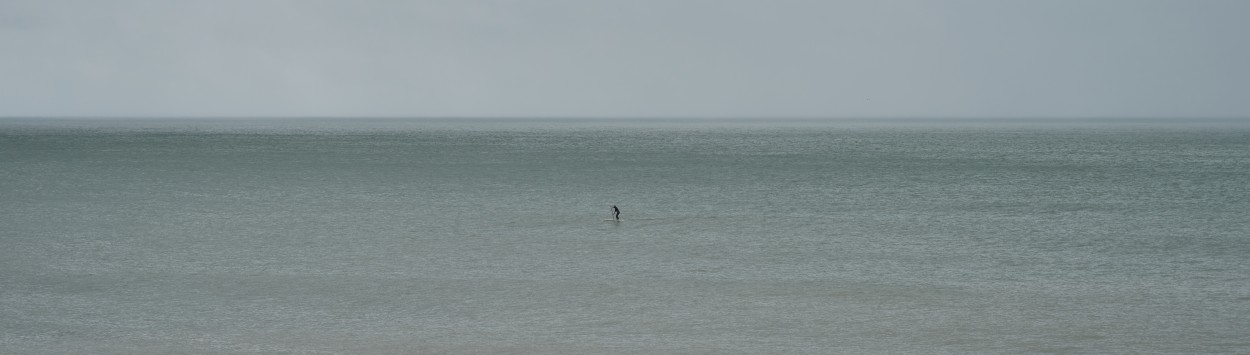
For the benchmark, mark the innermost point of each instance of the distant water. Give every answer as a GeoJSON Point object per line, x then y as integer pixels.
{"type": "Point", "coordinates": [341, 236]}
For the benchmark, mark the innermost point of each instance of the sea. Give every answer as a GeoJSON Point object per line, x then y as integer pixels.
{"type": "Point", "coordinates": [495, 236]}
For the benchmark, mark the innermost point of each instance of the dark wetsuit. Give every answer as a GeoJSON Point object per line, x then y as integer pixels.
{"type": "Point", "coordinates": [616, 213]}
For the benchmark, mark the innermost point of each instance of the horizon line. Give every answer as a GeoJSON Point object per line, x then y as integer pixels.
{"type": "Point", "coordinates": [632, 118]}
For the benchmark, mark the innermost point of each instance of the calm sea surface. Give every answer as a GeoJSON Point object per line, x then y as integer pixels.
{"type": "Point", "coordinates": [394, 236]}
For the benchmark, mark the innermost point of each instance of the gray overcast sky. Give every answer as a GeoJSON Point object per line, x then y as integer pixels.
{"type": "Point", "coordinates": [626, 58]}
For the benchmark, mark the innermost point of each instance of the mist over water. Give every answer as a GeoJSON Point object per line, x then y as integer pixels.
{"type": "Point", "coordinates": [383, 236]}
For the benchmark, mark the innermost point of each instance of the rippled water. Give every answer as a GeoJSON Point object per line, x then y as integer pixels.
{"type": "Point", "coordinates": [342, 236]}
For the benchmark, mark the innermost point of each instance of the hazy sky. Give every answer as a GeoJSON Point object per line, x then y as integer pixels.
{"type": "Point", "coordinates": [626, 58]}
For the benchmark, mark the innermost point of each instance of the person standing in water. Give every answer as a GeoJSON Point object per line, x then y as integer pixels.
{"type": "Point", "coordinates": [616, 212]}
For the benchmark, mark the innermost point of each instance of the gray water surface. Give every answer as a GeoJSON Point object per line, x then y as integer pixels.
{"type": "Point", "coordinates": [340, 236]}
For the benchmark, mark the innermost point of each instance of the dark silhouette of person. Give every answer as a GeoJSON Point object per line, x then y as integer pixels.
{"type": "Point", "coordinates": [616, 212]}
